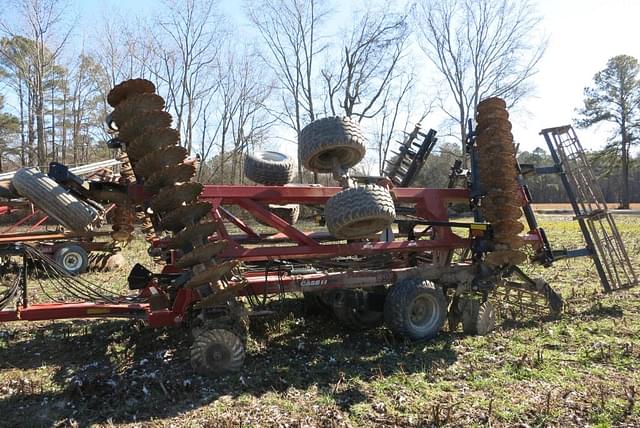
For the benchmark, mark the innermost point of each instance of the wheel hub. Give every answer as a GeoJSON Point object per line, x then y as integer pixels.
{"type": "Point", "coordinates": [423, 311]}
{"type": "Point", "coordinates": [72, 261]}
{"type": "Point", "coordinates": [216, 354]}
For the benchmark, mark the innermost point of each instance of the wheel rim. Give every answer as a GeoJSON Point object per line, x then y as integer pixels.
{"type": "Point", "coordinates": [367, 226]}
{"type": "Point", "coordinates": [272, 156]}
{"type": "Point", "coordinates": [72, 261]}
{"type": "Point", "coordinates": [217, 355]}
{"type": "Point", "coordinates": [323, 160]}
{"type": "Point", "coordinates": [423, 312]}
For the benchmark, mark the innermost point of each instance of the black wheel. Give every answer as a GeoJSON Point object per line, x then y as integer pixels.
{"type": "Point", "coordinates": [477, 317]}
{"type": "Point", "coordinates": [73, 258]}
{"type": "Point", "coordinates": [289, 212]}
{"type": "Point", "coordinates": [269, 168]}
{"type": "Point", "coordinates": [331, 138]}
{"type": "Point", "coordinates": [54, 200]}
{"type": "Point", "coordinates": [415, 309]}
{"type": "Point", "coordinates": [353, 317]}
{"type": "Point", "coordinates": [314, 303]}
{"type": "Point", "coordinates": [359, 212]}
{"type": "Point", "coordinates": [217, 351]}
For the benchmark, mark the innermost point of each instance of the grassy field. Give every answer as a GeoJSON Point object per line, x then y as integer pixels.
{"type": "Point", "coordinates": [581, 369]}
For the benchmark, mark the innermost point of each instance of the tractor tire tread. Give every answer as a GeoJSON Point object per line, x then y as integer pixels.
{"type": "Point", "coordinates": [351, 207]}
{"type": "Point", "coordinates": [55, 200]}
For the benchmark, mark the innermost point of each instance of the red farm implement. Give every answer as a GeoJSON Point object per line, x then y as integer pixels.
{"type": "Point", "coordinates": [392, 255]}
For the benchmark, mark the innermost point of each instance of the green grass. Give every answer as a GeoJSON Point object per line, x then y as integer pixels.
{"type": "Point", "coordinates": [580, 369]}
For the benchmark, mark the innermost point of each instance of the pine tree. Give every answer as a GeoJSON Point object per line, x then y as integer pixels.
{"type": "Point", "coordinates": [615, 98]}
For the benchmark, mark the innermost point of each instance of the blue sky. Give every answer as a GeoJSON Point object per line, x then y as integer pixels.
{"type": "Point", "coordinates": [584, 34]}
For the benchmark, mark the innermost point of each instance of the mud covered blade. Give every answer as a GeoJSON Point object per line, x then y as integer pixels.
{"type": "Point", "coordinates": [135, 105]}
{"type": "Point", "coordinates": [169, 176]}
{"type": "Point", "coordinates": [212, 274]}
{"type": "Point", "coordinates": [185, 216]}
{"type": "Point", "coordinates": [171, 198]}
{"type": "Point", "coordinates": [159, 159]}
{"type": "Point", "coordinates": [201, 254]}
{"type": "Point", "coordinates": [128, 88]}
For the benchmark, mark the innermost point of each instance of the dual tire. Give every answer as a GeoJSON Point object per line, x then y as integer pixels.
{"type": "Point", "coordinates": [55, 200]}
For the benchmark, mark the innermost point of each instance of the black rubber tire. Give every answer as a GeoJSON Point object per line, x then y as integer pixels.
{"type": "Point", "coordinates": [269, 168]}
{"type": "Point", "coordinates": [400, 309]}
{"type": "Point", "coordinates": [478, 318]}
{"type": "Point", "coordinates": [359, 212]}
{"type": "Point", "coordinates": [469, 309]}
{"type": "Point", "coordinates": [355, 318]}
{"type": "Point", "coordinates": [289, 212]}
{"type": "Point", "coordinates": [332, 137]}
{"type": "Point", "coordinates": [55, 200]}
{"type": "Point", "coordinates": [217, 351]}
{"type": "Point", "coordinates": [72, 258]}
{"type": "Point", "coordinates": [314, 303]}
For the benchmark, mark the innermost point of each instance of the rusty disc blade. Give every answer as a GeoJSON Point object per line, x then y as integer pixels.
{"type": "Point", "coordinates": [505, 257]}
{"type": "Point", "coordinates": [171, 198]}
{"type": "Point", "coordinates": [127, 88]}
{"type": "Point", "coordinates": [169, 176]}
{"type": "Point", "coordinates": [493, 183]}
{"type": "Point", "coordinates": [490, 151]}
{"type": "Point", "coordinates": [185, 216]}
{"type": "Point", "coordinates": [492, 114]}
{"type": "Point", "coordinates": [193, 235]}
{"type": "Point", "coordinates": [509, 242]}
{"type": "Point", "coordinates": [500, 197]}
{"type": "Point", "coordinates": [496, 125]}
{"type": "Point", "coordinates": [501, 188]}
{"type": "Point", "coordinates": [135, 126]}
{"type": "Point", "coordinates": [490, 179]}
{"type": "Point", "coordinates": [493, 125]}
{"type": "Point", "coordinates": [507, 227]}
{"type": "Point", "coordinates": [201, 254]}
{"type": "Point", "coordinates": [212, 274]}
{"type": "Point", "coordinates": [493, 138]}
{"type": "Point", "coordinates": [221, 294]}
{"type": "Point", "coordinates": [492, 103]}
{"type": "Point", "coordinates": [136, 104]}
{"type": "Point", "coordinates": [494, 145]}
{"type": "Point", "coordinates": [503, 212]}
{"type": "Point", "coordinates": [121, 235]}
{"type": "Point", "coordinates": [152, 141]}
{"type": "Point", "coordinates": [504, 163]}
{"type": "Point", "coordinates": [158, 159]}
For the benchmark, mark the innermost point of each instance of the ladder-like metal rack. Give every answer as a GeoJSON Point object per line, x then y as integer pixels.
{"type": "Point", "coordinates": [598, 227]}
{"type": "Point", "coordinates": [410, 158]}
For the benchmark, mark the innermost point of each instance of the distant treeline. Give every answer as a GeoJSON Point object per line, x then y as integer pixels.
{"type": "Point", "coordinates": [544, 188]}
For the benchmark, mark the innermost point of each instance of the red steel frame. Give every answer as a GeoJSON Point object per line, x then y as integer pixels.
{"type": "Point", "coordinates": [430, 204]}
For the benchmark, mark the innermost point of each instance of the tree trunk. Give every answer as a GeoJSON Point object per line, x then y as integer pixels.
{"type": "Point", "coordinates": [64, 125]}
{"type": "Point", "coordinates": [31, 131]}
{"type": "Point", "coordinates": [23, 140]}
{"type": "Point", "coordinates": [463, 142]}
{"type": "Point", "coordinates": [53, 125]}
{"type": "Point", "coordinates": [41, 142]}
{"type": "Point", "coordinates": [624, 194]}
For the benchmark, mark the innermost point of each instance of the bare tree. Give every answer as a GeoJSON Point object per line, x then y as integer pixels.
{"type": "Point", "coordinates": [40, 22]}
{"type": "Point", "coordinates": [399, 115]}
{"type": "Point", "coordinates": [370, 61]}
{"type": "Point", "coordinates": [187, 47]}
{"type": "Point", "coordinates": [239, 111]}
{"type": "Point", "coordinates": [289, 29]}
{"type": "Point", "coordinates": [482, 48]}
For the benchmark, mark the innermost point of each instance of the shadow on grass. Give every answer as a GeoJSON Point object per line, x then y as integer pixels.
{"type": "Point", "coordinates": [114, 371]}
